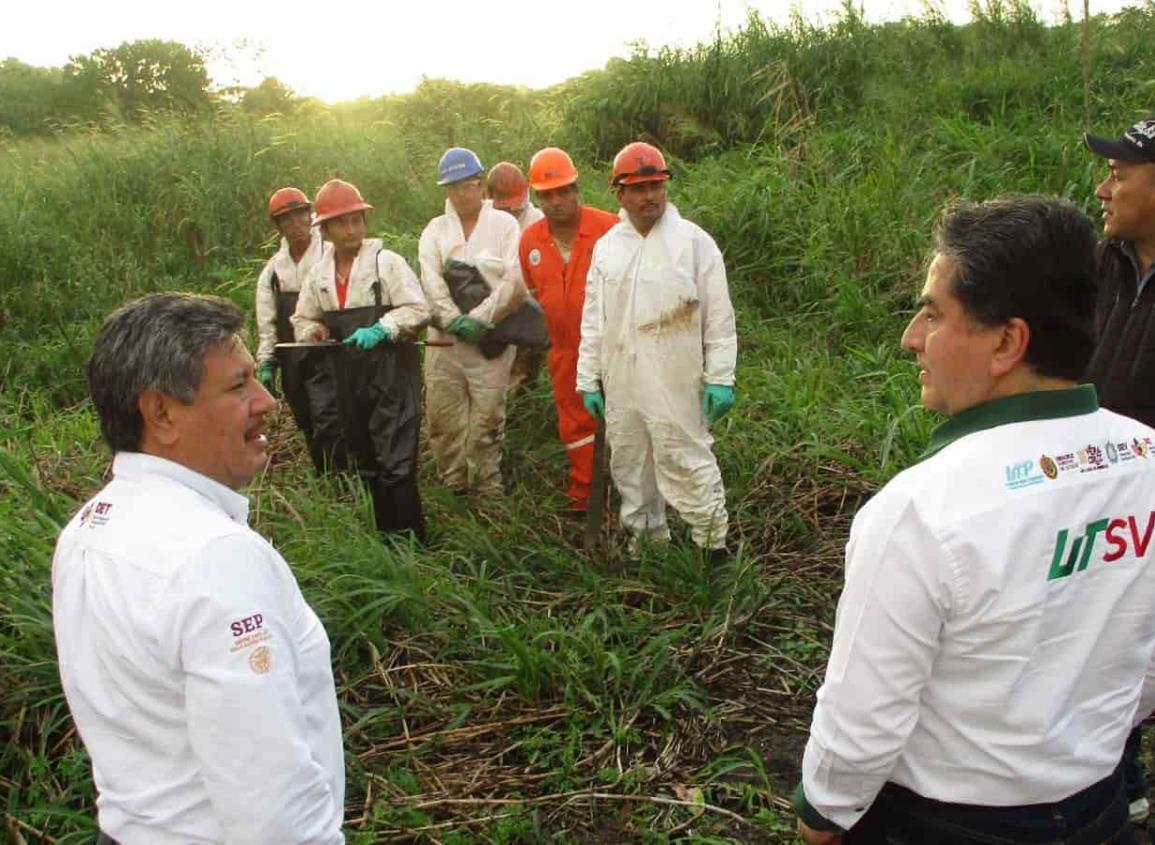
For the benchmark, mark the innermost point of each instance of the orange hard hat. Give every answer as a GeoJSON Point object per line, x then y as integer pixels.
{"type": "Point", "coordinates": [337, 198]}
{"type": "Point", "coordinates": [285, 200]}
{"type": "Point", "coordinates": [507, 186]}
{"type": "Point", "coordinates": [639, 162]}
{"type": "Point", "coordinates": [551, 168]}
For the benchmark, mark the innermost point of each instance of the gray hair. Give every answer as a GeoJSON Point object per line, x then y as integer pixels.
{"type": "Point", "coordinates": [158, 342]}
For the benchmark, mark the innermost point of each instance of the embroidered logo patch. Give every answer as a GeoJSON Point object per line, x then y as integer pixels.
{"type": "Point", "coordinates": [1047, 465]}
{"type": "Point", "coordinates": [1021, 474]}
{"type": "Point", "coordinates": [248, 632]}
{"type": "Point", "coordinates": [96, 514]}
{"type": "Point", "coordinates": [261, 660]}
{"type": "Point", "coordinates": [535, 256]}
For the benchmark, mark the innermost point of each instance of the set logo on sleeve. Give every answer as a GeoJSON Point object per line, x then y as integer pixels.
{"type": "Point", "coordinates": [248, 632]}
{"type": "Point", "coordinates": [1122, 534]}
{"type": "Point", "coordinates": [96, 514]}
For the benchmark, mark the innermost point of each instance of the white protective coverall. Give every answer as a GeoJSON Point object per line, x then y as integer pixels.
{"type": "Point", "coordinates": [529, 215]}
{"type": "Point", "coordinates": [656, 326]}
{"type": "Point", "coordinates": [197, 675]}
{"type": "Point", "coordinates": [399, 290]}
{"type": "Point", "coordinates": [291, 276]}
{"type": "Point", "coordinates": [464, 391]}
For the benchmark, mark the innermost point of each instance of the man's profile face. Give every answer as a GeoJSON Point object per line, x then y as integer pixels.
{"type": "Point", "coordinates": [1127, 196]}
{"type": "Point", "coordinates": [954, 352]}
{"type": "Point", "coordinates": [221, 433]}
{"type": "Point", "coordinates": [561, 206]}
{"type": "Point", "coordinates": [645, 203]}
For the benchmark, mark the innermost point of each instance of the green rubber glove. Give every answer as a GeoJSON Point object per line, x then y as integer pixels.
{"type": "Point", "coordinates": [469, 328]}
{"type": "Point", "coordinates": [595, 403]}
{"type": "Point", "coordinates": [267, 374]}
{"type": "Point", "coordinates": [717, 399]}
{"type": "Point", "coordinates": [368, 337]}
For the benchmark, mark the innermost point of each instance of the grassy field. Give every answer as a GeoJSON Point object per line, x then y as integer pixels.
{"type": "Point", "coordinates": [500, 686]}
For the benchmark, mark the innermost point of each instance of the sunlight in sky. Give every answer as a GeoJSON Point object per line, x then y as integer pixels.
{"type": "Point", "coordinates": [359, 48]}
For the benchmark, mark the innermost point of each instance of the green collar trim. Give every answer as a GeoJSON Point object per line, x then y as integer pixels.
{"type": "Point", "coordinates": [1022, 407]}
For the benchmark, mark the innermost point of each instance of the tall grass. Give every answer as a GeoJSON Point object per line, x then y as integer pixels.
{"type": "Point", "coordinates": [496, 683]}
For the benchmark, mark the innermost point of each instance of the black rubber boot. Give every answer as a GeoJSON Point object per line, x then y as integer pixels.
{"type": "Point", "coordinates": [397, 507]}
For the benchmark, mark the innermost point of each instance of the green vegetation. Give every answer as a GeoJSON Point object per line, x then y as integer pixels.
{"type": "Point", "coordinates": [498, 686]}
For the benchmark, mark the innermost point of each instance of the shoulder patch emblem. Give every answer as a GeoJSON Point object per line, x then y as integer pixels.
{"type": "Point", "coordinates": [535, 256]}
{"type": "Point", "coordinates": [261, 660]}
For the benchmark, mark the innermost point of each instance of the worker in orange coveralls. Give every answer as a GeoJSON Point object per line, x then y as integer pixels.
{"type": "Point", "coordinates": [555, 257]}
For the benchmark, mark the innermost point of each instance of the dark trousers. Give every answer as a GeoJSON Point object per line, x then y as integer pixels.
{"type": "Point", "coordinates": [1134, 778]}
{"type": "Point", "coordinates": [1095, 816]}
{"type": "Point", "coordinates": [105, 839]}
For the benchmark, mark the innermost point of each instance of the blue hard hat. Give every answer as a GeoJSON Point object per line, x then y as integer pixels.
{"type": "Point", "coordinates": [458, 163]}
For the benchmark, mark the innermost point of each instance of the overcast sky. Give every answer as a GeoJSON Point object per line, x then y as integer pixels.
{"type": "Point", "coordinates": [351, 48]}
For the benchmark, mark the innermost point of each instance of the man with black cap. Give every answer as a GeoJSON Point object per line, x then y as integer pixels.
{"type": "Point", "coordinates": [1123, 366]}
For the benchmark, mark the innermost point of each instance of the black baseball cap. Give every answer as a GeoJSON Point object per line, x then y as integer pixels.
{"type": "Point", "coordinates": [1137, 143]}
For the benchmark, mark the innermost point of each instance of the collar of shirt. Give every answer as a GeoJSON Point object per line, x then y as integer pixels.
{"type": "Point", "coordinates": [669, 218]}
{"type": "Point", "coordinates": [1141, 279]}
{"type": "Point", "coordinates": [1022, 407]}
{"type": "Point", "coordinates": [587, 226]}
{"type": "Point", "coordinates": [132, 466]}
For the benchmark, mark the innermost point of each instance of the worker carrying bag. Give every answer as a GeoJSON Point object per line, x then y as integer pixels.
{"type": "Point", "coordinates": [524, 327]}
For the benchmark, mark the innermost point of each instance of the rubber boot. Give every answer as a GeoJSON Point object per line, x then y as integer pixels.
{"type": "Point", "coordinates": [397, 507]}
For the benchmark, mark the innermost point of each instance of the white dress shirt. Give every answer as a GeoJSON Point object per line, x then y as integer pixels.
{"type": "Point", "coordinates": [198, 677]}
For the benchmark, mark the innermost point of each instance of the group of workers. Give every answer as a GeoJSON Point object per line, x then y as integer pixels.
{"type": "Point", "coordinates": [640, 327]}
{"type": "Point", "coordinates": [994, 643]}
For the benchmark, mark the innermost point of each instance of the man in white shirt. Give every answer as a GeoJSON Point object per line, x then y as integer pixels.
{"type": "Point", "coordinates": [196, 674]}
{"type": "Point", "coordinates": [995, 629]}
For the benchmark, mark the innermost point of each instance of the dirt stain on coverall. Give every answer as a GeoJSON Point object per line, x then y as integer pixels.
{"type": "Point", "coordinates": [677, 319]}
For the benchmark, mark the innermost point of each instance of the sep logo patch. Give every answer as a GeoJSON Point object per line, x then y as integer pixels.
{"type": "Point", "coordinates": [97, 513]}
{"type": "Point", "coordinates": [247, 625]}
{"type": "Point", "coordinates": [248, 632]}
{"type": "Point", "coordinates": [535, 256]}
{"type": "Point", "coordinates": [261, 660]}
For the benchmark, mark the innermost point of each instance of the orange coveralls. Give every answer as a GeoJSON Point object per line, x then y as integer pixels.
{"type": "Point", "coordinates": [560, 288]}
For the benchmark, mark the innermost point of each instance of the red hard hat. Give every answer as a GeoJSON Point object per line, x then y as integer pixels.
{"type": "Point", "coordinates": [337, 198]}
{"type": "Point", "coordinates": [285, 200]}
{"type": "Point", "coordinates": [551, 168]}
{"type": "Point", "coordinates": [639, 162]}
{"type": "Point", "coordinates": [507, 186]}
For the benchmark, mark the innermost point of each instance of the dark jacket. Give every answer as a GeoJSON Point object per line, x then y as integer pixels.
{"type": "Point", "coordinates": [1123, 366]}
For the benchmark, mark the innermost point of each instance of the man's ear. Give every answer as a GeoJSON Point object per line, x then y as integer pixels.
{"type": "Point", "coordinates": [1014, 340]}
{"type": "Point", "coordinates": [158, 421]}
